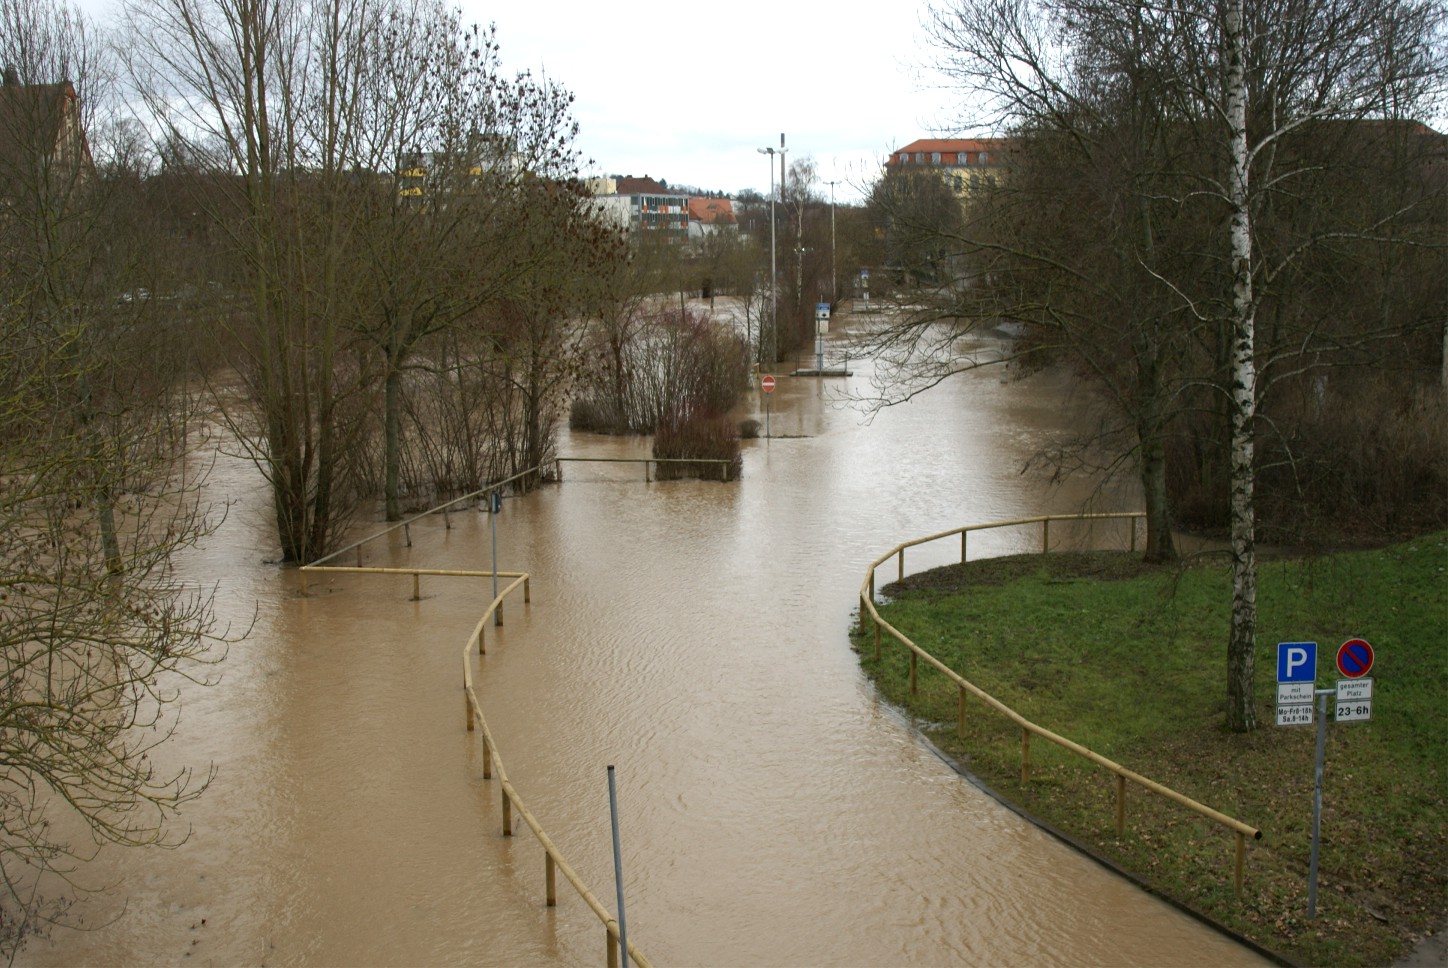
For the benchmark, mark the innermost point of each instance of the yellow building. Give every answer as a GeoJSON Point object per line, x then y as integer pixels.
{"type": "Point", "coordinates": [967, 165]}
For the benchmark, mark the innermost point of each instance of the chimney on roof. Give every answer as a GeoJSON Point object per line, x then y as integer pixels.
{"type": "Point", "coordinates": [12, 79]}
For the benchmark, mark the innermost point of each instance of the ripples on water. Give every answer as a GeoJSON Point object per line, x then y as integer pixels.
{"type": "Point", "coordinates": [695, 635]}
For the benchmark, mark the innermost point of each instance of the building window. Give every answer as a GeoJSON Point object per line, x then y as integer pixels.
{"type": "Point", "coordinates": [935, 157]}
{"type": "Point", "coordinates": [962, 159]}
{"type": "Point", "coordinates": [983, 158]}
{"type": "Point", "coordinates": [919, 157]}
{"type": "Point", "coordinates": [904, 157]}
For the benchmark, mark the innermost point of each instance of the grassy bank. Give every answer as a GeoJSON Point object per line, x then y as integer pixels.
{"type": "Point", "coordinates": [1130, 660]}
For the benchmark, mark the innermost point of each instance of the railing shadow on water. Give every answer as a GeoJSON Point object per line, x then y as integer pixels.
{"type": "Point", "coordinates": [492, 759]}
{"type": "Point", "coordinates": [868, 613]}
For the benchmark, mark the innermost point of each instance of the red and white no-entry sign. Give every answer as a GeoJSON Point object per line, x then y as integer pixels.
{"type": "Point", "coordinates": [767, 384]}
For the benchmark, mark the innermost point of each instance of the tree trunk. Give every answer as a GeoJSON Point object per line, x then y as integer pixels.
{"type": "Point", "coordinates": [392, 435]}
{"type": "Point", "coordinates": [1159, 544]}
{"type": "Point", "coordinates": [1242, 642]}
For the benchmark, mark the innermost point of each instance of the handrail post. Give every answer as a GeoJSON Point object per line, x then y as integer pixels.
{"type": "Point", "coordinates": [527, 590]}
{"type": "Point", "coordinates": [1241, 858]}
{"type": "Point", "coordinates": [1045, 534]}
{"type": "Point", "coordinates": [468, 702]}
{"type": "Point", "coordinates": [1025, 755]}
{"type": "Point", "coordinates": [1132, 522]}
{"type": "Point", "coordinates": [416, 587]}
{"type": "Point", "coordinates": [872, 584]}
{"type": "Point", "coordinates": [482, 649]}
{"type": "Point", "coordinates": [487, 758]}
{"type": "Point", "coordinates": [407, 533]}
{"type": "Point", "coordinates": [612, 945]}
{"type": "Point", "coordinates": [1120, 805]}
{"type": "Point", "coordinates": [498, 614]}
{"type": "Point", "coordinates": [962, 546]}
{"type": "Point", "coordinates": [913, 660]}
{"type": "Point", "coordinates": [960, 714]}
{"type": "Point", "coordinates": [877, 641]}
{"type": "Point", "coordinates": [507, 812]}
{"type": "Point", "coordinates": [901, 575]}
{"type": "Point", "coordinates": [550, 879]}
{"type": "Point", "coordinates": [302, 574]}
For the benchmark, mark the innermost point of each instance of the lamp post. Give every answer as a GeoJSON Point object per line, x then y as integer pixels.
{"type": "Point", "coordinates": [773, 260]}
{"type": "Point", "coordinates": [834, 282]}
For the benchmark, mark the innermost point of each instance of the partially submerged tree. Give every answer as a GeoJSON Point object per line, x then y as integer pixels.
{"type": "Point", "coordinates": [1181, 114]}
{"type": "Point", "coordinates": [96, 633]}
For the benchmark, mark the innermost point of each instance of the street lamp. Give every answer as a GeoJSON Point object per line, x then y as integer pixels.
{"type": "Point", "coordinates": [834, 282]}
{"type": "Point", "coordinates": [773, 261]}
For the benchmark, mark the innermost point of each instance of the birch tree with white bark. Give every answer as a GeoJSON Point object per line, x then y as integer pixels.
{"type": "Point", "coordinates": [1261, 89]}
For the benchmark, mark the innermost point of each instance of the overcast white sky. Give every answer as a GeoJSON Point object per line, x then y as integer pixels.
{"type": "Point", "coordinates": [688, 92]}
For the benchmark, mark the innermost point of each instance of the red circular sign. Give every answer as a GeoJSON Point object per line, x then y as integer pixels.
{"type": "Point", "coordinates": [767, 384]}
{"type": "Point", "coordinates": [1354, 658]}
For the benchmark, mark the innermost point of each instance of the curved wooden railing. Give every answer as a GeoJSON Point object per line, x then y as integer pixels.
{"type": "Point", "coordinates": [492, 760]}
{"type": "Point", "coordinates": [1028, 729]}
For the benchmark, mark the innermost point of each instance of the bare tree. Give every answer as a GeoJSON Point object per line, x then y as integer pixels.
{"type": "Point", "coordinates": [1227, 88]}
{"type": "Point", "coordinates": [96, 634]}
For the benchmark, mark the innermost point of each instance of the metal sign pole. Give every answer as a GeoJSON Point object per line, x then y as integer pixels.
{"type": "Point", "coordinates": [617, 869]}
{"type": "Point", "coordinates": [495, 504]}
{"type": "Point", "coordinates": [1322, 695]}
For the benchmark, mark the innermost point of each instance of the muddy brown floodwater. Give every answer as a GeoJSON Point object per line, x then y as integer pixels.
{"type": "Point", "coordinates": [773, 810]}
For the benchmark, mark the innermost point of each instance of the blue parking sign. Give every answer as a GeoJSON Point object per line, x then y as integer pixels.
{"type": "Point", "coordinates": [1296, 661]}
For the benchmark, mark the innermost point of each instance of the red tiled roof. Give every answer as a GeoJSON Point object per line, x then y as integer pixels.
{"type": "Point", "coordinates": [643, 186]}
{"type": "Point", "coordinates": [712, 211]}
{"type": "Point", "coordinates": [949, 147]}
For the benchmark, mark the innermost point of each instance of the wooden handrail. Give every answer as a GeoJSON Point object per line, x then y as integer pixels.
{"type": "Point", "coordinates": [512, 799]}
{"type": "Point", "coordinates": [1028, 728]}
{"type": "Point", "coordinates": [492, 758]}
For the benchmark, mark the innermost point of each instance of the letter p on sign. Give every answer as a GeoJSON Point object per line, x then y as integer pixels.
{"type": "Point", "coordinates": [1296, 661]}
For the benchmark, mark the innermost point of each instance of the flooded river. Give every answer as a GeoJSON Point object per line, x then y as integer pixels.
{"type": "Point", "coordinates": [694, 635]}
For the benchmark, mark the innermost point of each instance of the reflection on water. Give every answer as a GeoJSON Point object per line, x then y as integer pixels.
{"type": "Point", "coordinates": [773, 811]}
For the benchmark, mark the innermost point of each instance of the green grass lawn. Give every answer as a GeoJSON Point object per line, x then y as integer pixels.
{"type": "Point", "coordinates": [1130, 660]}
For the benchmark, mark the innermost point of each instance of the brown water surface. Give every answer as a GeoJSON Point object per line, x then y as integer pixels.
{"type": "Point", "coordinates": [774, 811]}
